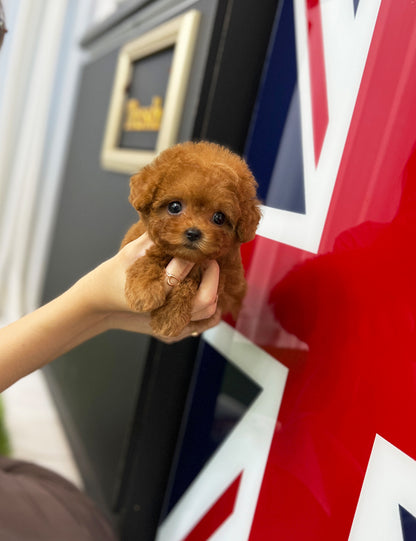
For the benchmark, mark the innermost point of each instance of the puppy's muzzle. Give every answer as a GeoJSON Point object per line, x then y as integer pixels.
{"type": "Point", "coordinates": [193, 234]}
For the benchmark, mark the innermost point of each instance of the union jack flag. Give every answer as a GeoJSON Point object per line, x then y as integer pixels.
{"type": "Point", "coordinates": [300, 427]}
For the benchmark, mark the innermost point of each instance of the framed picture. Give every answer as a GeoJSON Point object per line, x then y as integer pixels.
{"type": "Point", "coordinates": [148, 94]}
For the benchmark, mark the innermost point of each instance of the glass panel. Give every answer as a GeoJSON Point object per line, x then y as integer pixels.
{"type": "Point", "coordinates": [332, 289]}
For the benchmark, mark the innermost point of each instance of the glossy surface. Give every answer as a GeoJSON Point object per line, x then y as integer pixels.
{"type": "Point", "coordinates": [332, 296]}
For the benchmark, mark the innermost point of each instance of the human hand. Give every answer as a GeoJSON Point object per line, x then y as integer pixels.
{"type": "Point", "coordinates": [205, 313]}
{"type": "Point", "coordinates": [104, 293]}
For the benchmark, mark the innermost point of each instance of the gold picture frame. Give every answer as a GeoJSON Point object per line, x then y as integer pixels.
{"type": "Point", "coordinates": [179, 34]}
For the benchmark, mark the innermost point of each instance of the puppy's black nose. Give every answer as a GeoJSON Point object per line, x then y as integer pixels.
{"type": "Point", "coordinates": [193, 234]}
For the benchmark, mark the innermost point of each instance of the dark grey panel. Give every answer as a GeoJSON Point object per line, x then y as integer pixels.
{"type": "Point", "coordinates": [96, 387]}
{"type": "Point", "coordinates": [97, 384]}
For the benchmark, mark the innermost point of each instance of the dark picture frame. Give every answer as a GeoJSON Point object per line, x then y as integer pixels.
{"type": "Point", "coordinates": [169, 47]}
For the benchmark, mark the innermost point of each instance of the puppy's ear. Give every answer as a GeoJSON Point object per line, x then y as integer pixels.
{"type": "Point", "coordinates": [249, 220]}
{"type": "Point", "coordinates": [249, 204]}
{"type": "Point", "coordinates": [142, 189]}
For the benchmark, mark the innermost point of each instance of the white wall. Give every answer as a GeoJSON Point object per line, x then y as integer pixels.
{"type": "Point", "coordinates": [39, 72]}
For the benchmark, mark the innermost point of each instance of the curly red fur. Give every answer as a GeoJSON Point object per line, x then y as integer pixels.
{"type": "Point", "coordinates": [206, 179]}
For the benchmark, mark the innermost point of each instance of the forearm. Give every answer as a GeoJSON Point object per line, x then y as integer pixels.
{"type": "Point", "coordinates": [93, 305]}
{"type": "Point", "coordinates": [45, 334]}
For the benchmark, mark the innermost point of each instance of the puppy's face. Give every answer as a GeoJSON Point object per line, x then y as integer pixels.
{"type": "Point", "coordinates": [193, 217]}
{"type": "Point", "coordinates": [197, 200]}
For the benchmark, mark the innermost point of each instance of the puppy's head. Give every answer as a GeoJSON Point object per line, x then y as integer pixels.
{"type": "Point", "coordinates": [197, 200]}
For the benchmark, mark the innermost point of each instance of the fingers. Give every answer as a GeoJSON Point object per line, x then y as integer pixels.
{"type": "Point", "coordinates": [177, 268]}
{"type": "Point", "coordinates": [194, 329]}
{"type": "Point", "coordinates": [205, 314]}
{"type": "Point", "coordinates": [205, 302]}
{"type": "Point", "coordinates": [176, 271]}
{"type": "Point", "coordinates": [136, 248]}
{"type": "Point", "coordinates": [204, 324]}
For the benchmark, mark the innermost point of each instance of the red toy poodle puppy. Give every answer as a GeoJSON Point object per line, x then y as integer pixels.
{"type": "Point", "coordinates": [197, 201]}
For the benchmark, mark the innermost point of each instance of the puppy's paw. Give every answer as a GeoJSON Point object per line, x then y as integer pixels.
{"type": "Point", "coordinates": [172, 317]}
{"type": "Point", "coordinates": [144, 296]}
{"type": "Point", "coordinates": [167, 322]}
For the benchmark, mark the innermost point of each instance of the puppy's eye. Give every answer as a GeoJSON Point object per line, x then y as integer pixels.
{"type": "Point", "coordinates": [218, 218]}
{"type": "Point", "coordinates": [175, 207]}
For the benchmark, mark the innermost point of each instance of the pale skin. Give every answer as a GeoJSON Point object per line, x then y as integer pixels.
{"type": "Point", "coordinates": [93, 305]}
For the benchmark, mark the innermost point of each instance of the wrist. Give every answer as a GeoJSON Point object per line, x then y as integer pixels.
{"type": "Point", "coordinates": [101, 303]}
{"type": "Point", "coordinates": [85, 305]}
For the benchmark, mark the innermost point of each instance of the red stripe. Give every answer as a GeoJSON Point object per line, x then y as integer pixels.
{"type": "Point", "coordinates": [382, 131]}
{"type": "Point", "coordinates": [217, 514]}
{"type": "Point", "coordinates": [368, 188]}
{"type": "Point", "coordinates": [320, 115]}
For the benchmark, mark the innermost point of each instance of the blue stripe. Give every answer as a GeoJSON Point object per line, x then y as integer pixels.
{"type": "Point", "coordinates": [221, 395]}
{"type": "Point", "coordinates": [274, 148]}
{"type": "Point", "coordinates": [356, 2]}
{"type": "Point", "coordinates": [408, 522]}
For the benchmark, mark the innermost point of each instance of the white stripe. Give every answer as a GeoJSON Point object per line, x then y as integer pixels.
{"type": "Point", "coordinates": [390, 481]}
{"type": "Point", "coordinates": [246, 448]}
{"type": "Point", "coordinates": [346, 44]}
